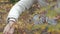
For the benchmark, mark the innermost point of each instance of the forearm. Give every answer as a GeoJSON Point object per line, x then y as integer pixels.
{"type": "Point", "coordinates": [58, 3]}
{"type": "Point", "coordinates": [58, 6]}
{"type": "Point", "coordinates": [43, 3]}
{"type": "Point", "coordinates": [18, 8]}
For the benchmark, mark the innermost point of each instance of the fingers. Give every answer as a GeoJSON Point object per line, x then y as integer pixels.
{"type": "Point", "coordinates": [8, 30]}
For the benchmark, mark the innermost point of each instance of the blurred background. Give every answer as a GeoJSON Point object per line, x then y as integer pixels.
{"type": "Point", "coordinates": [5, 6]}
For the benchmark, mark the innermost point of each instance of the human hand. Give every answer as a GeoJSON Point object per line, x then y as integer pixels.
{"type": "Point", "coordinates": [9, 29]}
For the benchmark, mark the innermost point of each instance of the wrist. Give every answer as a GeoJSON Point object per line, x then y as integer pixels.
{"type": "Point", "coordinates": [11, 23]}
